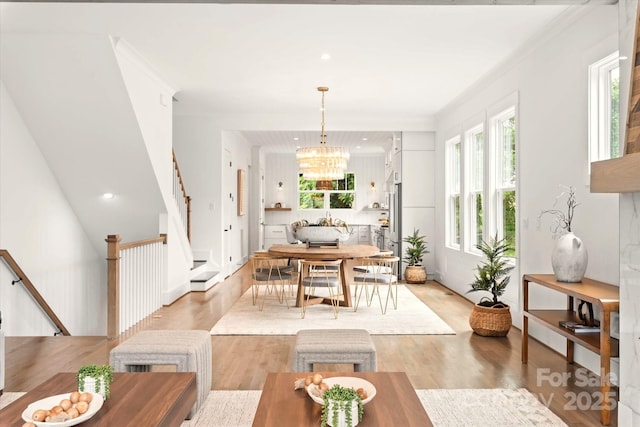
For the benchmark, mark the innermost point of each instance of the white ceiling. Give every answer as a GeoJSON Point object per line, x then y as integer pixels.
{"type": "Point", "coordinates": [405, 62]}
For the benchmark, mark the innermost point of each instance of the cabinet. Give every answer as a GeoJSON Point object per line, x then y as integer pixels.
{"type": "Point", "coordinates": [604, 297]}
{"type": "Point", "coordinates": [360, 235]}
{"type": "Point", "coordinates": [274, 235]}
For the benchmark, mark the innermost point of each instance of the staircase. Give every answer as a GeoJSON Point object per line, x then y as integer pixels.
{"type": "Point", "coordinates": [203, 277]}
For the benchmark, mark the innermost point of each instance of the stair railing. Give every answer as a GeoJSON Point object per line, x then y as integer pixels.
{"type": "Point", "coordinates": [182, 199]}
{"type": "Point", "coordinates": [21, 277]}
{"type": "Point", "coordinates": [135, 277]}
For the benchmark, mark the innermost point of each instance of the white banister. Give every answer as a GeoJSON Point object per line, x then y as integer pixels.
{"type": "Point", "coordinates": [140, 283]}
{"type": "Point", "coordinates": [135, 281]}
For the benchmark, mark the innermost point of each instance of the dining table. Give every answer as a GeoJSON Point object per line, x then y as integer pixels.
{"type": "Point", "coordinates": [325, 253]}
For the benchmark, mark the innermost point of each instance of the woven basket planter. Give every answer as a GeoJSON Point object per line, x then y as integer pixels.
{"type": "Point", "coordinates": [489, 321]}
{"type": "Point", "coordinates": [415, 274]}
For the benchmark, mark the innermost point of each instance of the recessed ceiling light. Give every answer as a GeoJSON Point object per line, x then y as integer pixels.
{"type": "Point", "coordinates": [107, 196]}
{"type": "Point", "coordinates": [295, 138]}
{"type": "Point", "coordinates": [325, 57]}
{"type": "Point", "coordinates": [357, 147]}
{"type": "Point", "coordinates": [364, 138]}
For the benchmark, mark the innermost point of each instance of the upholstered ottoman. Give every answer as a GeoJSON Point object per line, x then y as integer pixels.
{"type": "Point", "coordinates": [189, 351]}
{"type": "Point", "coordinates": [334, 346]}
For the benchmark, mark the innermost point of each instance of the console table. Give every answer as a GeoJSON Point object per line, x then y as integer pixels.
{"type": "Point", "coordinates": [604, 297]}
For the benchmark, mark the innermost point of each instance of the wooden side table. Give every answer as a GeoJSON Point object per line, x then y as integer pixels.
{"type": "Point", "coordinates": [603, 296]}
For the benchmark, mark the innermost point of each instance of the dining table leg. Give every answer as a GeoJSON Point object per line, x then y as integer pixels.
{"type": "Point", "coordinates": [346, 290]}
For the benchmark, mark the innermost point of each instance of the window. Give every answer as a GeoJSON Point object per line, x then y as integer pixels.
{"type": "Point", "coordinates": [604, 108]}
{"type": "Point", "coordinates": [481, 180]}
{"type": "Point", "coordinates": [504, 127]}
{"type": "Point", "coordinates": [453, 173]}
{"type": "Point", "coordinates": [475, 167]}
{"type": "Point", "coordinates": [339, 193]}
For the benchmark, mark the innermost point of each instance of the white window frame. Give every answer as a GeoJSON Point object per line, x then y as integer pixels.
{"type": "Point", "coordinates": [600, 108]}
{"type": "Point", "coordinates": [474, 185]}
{"type": "Point", "coordinates": [327, 196]}
{"type": "Point", "coordinates": [500, 184]}
{"type": "Point", "coordinates": [453, 189]}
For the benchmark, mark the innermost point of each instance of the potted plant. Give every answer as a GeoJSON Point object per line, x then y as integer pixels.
{"type": "Point", "coordinates": [95, 379]}
{"type": "Point", "coordinates": [415, 271]}
{"type": "Point", "coordinates": [490, 316]}
{"type": "Point", "coordinates": [342, 407]}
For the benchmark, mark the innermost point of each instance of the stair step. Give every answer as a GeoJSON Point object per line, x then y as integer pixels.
{"type": "Point", "coordinates": [203, 277]}
{"type": "Point", "coordinates": [198, 263]}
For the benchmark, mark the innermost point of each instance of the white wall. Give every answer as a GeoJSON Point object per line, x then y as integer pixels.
{"type": "Point", "coordinates": [241, 228]}
{"type": "Point", "coordinates": [197, 142]}
{"type": "Point", "coordinates": [40, 230]}
{"type": "Point", "coordinates": [200, 143]}
{"type": "Point", "coordinates": [551, 81]}
{"type": "Point", "coordinates": [418, 192]}
{"type": "Point", "coordinates": [151, 99]}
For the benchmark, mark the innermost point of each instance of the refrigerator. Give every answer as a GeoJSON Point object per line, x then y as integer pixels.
{"type": "Point", "coordinates": [395, 224]}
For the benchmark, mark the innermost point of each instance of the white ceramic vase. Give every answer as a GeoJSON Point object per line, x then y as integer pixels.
{"type": "Point", "coordinates": [569, 258]}
{"type": "Point", "coordinates": [342, 417]}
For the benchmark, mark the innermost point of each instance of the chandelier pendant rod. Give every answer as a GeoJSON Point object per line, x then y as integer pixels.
{"type": "Point", "coordinates": [323, 89]}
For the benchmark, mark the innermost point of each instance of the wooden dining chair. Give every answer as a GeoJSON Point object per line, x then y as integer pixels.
{"type": "Point", "coordinates": [273, 275]}
{"type": "Point", "coordinates": [321, 274]}
{"type": "Point", "coordinates": [377, 272]}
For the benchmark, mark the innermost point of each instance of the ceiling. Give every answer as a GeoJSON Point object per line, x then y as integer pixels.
{"type": "Point", "coordinates": [389, 64]}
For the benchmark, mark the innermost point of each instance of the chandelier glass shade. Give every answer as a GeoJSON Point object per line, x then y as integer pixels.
{"type": "Point", "coordinates": [323, 162]}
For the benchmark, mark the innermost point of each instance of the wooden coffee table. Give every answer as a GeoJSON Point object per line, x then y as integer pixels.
{"type": "Point", "coordinates": [395, 404]}
{"type": "Point", "coordinates": [137, 399]}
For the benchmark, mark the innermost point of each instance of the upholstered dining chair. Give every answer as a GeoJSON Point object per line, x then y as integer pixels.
{"type": "Point", "coordinates": [273, 275]}
{"type": "Point", "coordinates": [320, 274]}
{"type": "Point", "coordinates": [375, 273]}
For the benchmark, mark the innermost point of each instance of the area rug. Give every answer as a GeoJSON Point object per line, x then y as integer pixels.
{"type": "Point", "coordinates": [486, 407]}
{"type": "Point", "coordinates": [412, 317]}
{"type": "Point", "coordinates": [446, 408]}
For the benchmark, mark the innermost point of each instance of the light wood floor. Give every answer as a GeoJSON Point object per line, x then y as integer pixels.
{"type": "Point", "coordinates": [464, 360]}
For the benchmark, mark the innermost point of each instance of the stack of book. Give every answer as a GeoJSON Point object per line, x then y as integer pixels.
{"type": "Point", "coordinates": [578, 327]}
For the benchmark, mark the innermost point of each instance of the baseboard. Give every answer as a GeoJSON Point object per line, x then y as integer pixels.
{"type": "Point", "coordinates": [171, 295]}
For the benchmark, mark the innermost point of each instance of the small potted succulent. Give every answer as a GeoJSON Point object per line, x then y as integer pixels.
{"type": "Point", "coordinates": [95, 379]}
{"type": "Point", "coordinates": [342, 407]}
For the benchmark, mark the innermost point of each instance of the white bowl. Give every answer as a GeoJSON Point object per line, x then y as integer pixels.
{"type": "Point", "coordinates": [347, 382]}
{"type": "Point", "coordinates": [50, 402]}
{"type": "Point", "coordinates": [322, 234]}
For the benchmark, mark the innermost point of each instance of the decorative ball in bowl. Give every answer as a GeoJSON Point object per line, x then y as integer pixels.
{"type": "Point", "coordinates": [347, 382]}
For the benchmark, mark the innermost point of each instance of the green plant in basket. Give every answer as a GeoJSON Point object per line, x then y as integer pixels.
{"type": "Point", "coordinates": [99, 373]}
{"type": "Point", "coordinates": [341, 399]}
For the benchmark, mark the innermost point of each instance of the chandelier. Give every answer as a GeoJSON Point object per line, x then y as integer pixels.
{"type": "Point", "coordinates": [322, 163]}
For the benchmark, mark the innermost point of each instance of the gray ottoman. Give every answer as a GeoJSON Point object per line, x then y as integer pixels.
{"type": "Point", "coordinates": [334, 346]}
{"type": "Point", "coordinates": [189, 351]}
